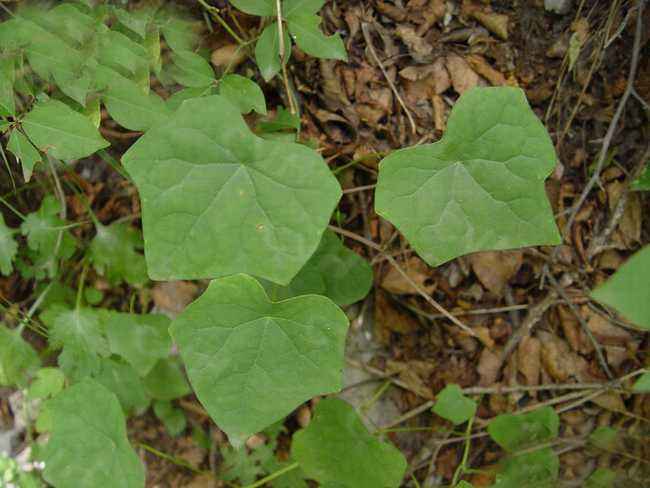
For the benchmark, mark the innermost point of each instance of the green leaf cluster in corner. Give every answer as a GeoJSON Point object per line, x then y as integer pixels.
{"type": "Point", "coordinates": [251, 361]}
{"type": "Point", "coordinates": [480, 187]}
{"type": "Point", "coordinates": [337, 450]}
{"type": "Point", "coordinates": [256, 206]}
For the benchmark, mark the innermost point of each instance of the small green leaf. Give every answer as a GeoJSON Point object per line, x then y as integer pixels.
{"type": "Point", "coordinates": [173, 418]}
{"type": "Point", "coordinates": [601, 478]}
{"type": "Point", "coordinates": [18, 360]}
{"type": "Point", "coordinates": [306, 31]}
{"type": "Point", "coordinates": [113, 253]}
{"type": "Point", "coordinates": [263, 8]}
{"type": "Point", "coordinates": [132, 108]}
{"type": "Point", "coordinates": [177, 30]}
{"type": "Point", "coordinates": [120, 378]}
{"type": "Point", "coordinates": [604, 438]}
{"type": "Point", "coordinates": [88, 444]}
{"type": "Point", "coordinates": [642, 183]}
{"type": "Point", "coordinates": [251, 361]}
{"type": "Point", "coordinates": [142, 340]}
{"type": "Point", "coordinates": [48, 382]}
{"type": "Point", "coordinates": [481, 187]}
{"type": "Point", "coordinates": [257, 207]}
{"type": "Point", "coordinates": [166, 381]}
{"type": "Point", "coordinates": [25, 152]}
{"type": "Point", "coordinates": [292, 7]}
{"type": "Point", "coordinates": [190, 69]}
{"type": "Point", "coordinates": [93, 296]}
{"type": "Point", "coordinates": [642, 385]}
{"type": "Point", "coordinates": [464, 484]}
{"type": "Point", "coordinates": [537, 469]}
{"type": "Point", "coordinates": [627, 289]}
{"type": "Point", "coordinates": [267, 51]}
{"type": "Point", "coordinates": [8, 248]}
{"type": "Point", "coordinates": [58, 130]}
{"type": "Point", "coordinates": [337, 449]}
{"type": "Point", "coordinates": [244, 93]}
{"type": "Point", "coordinates": [334, 271]}
{"type": "Point", "coordinates": [127, 57]}
{"type": "Point", "coordinates": [452, 405]}
{"type": "Point", "coordinates": [283, 120]}
{"type": "Point", "coordinates": [512, 432]}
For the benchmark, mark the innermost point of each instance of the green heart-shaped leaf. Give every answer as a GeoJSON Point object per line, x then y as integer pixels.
{"type": "Point", "coordinates": [479, 188]}
{"type": "Point", "coordinates": [252, 361]}
{"type": "Point", "coordinates": [218, 200]}
{"type": "Point", "coordinates": [337, 450]}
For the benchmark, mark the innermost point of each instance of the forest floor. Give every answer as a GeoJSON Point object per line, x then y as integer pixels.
{"type": "Point", "coordinates": [540, 338]}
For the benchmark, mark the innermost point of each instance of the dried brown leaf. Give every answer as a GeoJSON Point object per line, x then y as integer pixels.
{"type": "Point", "coordinates": [463, 77]}
{"type": "Point", "coordinates": [495, 268]}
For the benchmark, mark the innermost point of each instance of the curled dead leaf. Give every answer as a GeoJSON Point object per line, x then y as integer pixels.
{"type": "Point", "coordinates": [529, 355]}
{"type": "Point", "coordinates": [463, 77]}
{"type": "Point", "coordinates": [489, 365]}
{"type": "Point", "coordinates": [495, 268]}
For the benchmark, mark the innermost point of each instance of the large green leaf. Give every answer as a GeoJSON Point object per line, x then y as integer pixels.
{"type": "Point", "coordinates": [25, 152]}
{"type": "Point", "coordinates": [481, 187]}
{"type": "Point", "coordinates": [627, 291]}
{"type": "Point", "coordinates": [8, 248]}
{"type": "Point", "coordinates": [336, 449]}
{"type": "Point", "coordinates": [512, 431]}
{"type": "Point", "coordinates": [120, 378]}
{"type": "Point", "coordinates": [306, 31]}
{"type": "Point", "coordinates": [191, 69]}
{"type": "Point", "coordinates": [292, 7]}
{"type": "Point", "coordinates": [256, 206]}
{"type": "Point", "coordinates": [140, 339]}
{"type": "Point", "coordinates": [58, 130]}
{"type": "Point", "coordinates": [113, 253]}
{"type": "Point", "coordinates": [250, 360]}
{"type": "Point", "coordinates": [267, 51]}
{"type": "Point", "coordinates": [18, 360]}
{"type": "Point", "coordinates": [334, 271]}
{"type": "Point", "coordinates": [88, 444]}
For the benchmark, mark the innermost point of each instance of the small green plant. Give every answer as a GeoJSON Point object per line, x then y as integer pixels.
{"type": "Point", "coordinates": [251, 214]}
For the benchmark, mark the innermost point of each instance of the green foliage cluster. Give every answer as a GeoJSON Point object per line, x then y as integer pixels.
{"type": "Point", "coordinates": [249, 211]}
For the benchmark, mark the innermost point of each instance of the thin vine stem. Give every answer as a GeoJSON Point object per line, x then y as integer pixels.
{"type": "Point", "coordinates": [273, 476]}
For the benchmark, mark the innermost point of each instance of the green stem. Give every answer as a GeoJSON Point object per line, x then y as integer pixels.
{"type": "Point", "coordinates": [113, 163]}
{"type": "Point", "coordinates": [463, 464]}
{"type": "Point", "coordinates": [354, 162]}
{"type": "Point", "coordinates": [20, 215]}
{"type": "Point", "coordinates": [214, 11]}
{"type": "Point", "coordinates": [80, 288]}
{"type": "Point", "coordinates": [272, 476]}
{"type": "Point", "coordinates": [172, 459]}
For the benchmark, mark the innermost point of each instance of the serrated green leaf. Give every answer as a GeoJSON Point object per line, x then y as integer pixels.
{"type": "Point", "coordinates": [512, 431]}
{"type": "Point", "coordinates": [292, 7]}
{"type": "Point", "coordinates": [142, 340]}
{"type": "Point", "coordinates": [243, 93]}
{"type": "Point", "coordinates": [47, 382]}
{"type": "Point", "coordinates": [306, 32]}
{"type": "Point", "coordinates": [121, 379]}
{"type": "Point", "coordinates": [627, 289]}
{"type": "Point", "coordinates": [7, 77]}
{"type": "Point", "coordinates": [18, 360]}
{"type": "Point", "coordinates": [481, 187]}
{"type": "Point", "coordinates": [642, 183]}
{"type": "Point", "coordinates": [251, 361]}
{"type": "Point", "coordinates": [191, 69]}
{"type": "Point", "coordinates": [173, 418]}
{"type": "Point", "coordinates": [88, 444]}
{"type": "Point", "coordinates": [642, 385]}
{"type": "Point", "coordinates": [336, 448]}
{"type": "Point", "coordinates": [257, 207]}
{"type": "Point", "coordinates": [537, 469]}
{"type": "Point", "coordinates": [334, 271]}
{"type": "Point", "coordinates": [58, 130]}
{"type": "Point", "coordinates": [601, 478]}
{"type": "Point", "coordinates": [452, 405]}
{"type": "Point", "coordinates": [240, 465]}
{"type": "Point", "coordinates": [113, 254]}
{"type": "Point", "coordinates": [267, 51]}
{"type": "Point", "coordinates": [133, 108]}
{"type": "Point", "coordinates": [166, 381]}
{"type": "Point", "coordinates": [264, 8]}
{"type": "Point", "coordinates": [27, 154]}
{"type": "Point", "coordinates": [80, 333]}
{"type": "Point", "coordinates": [8, 248]}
